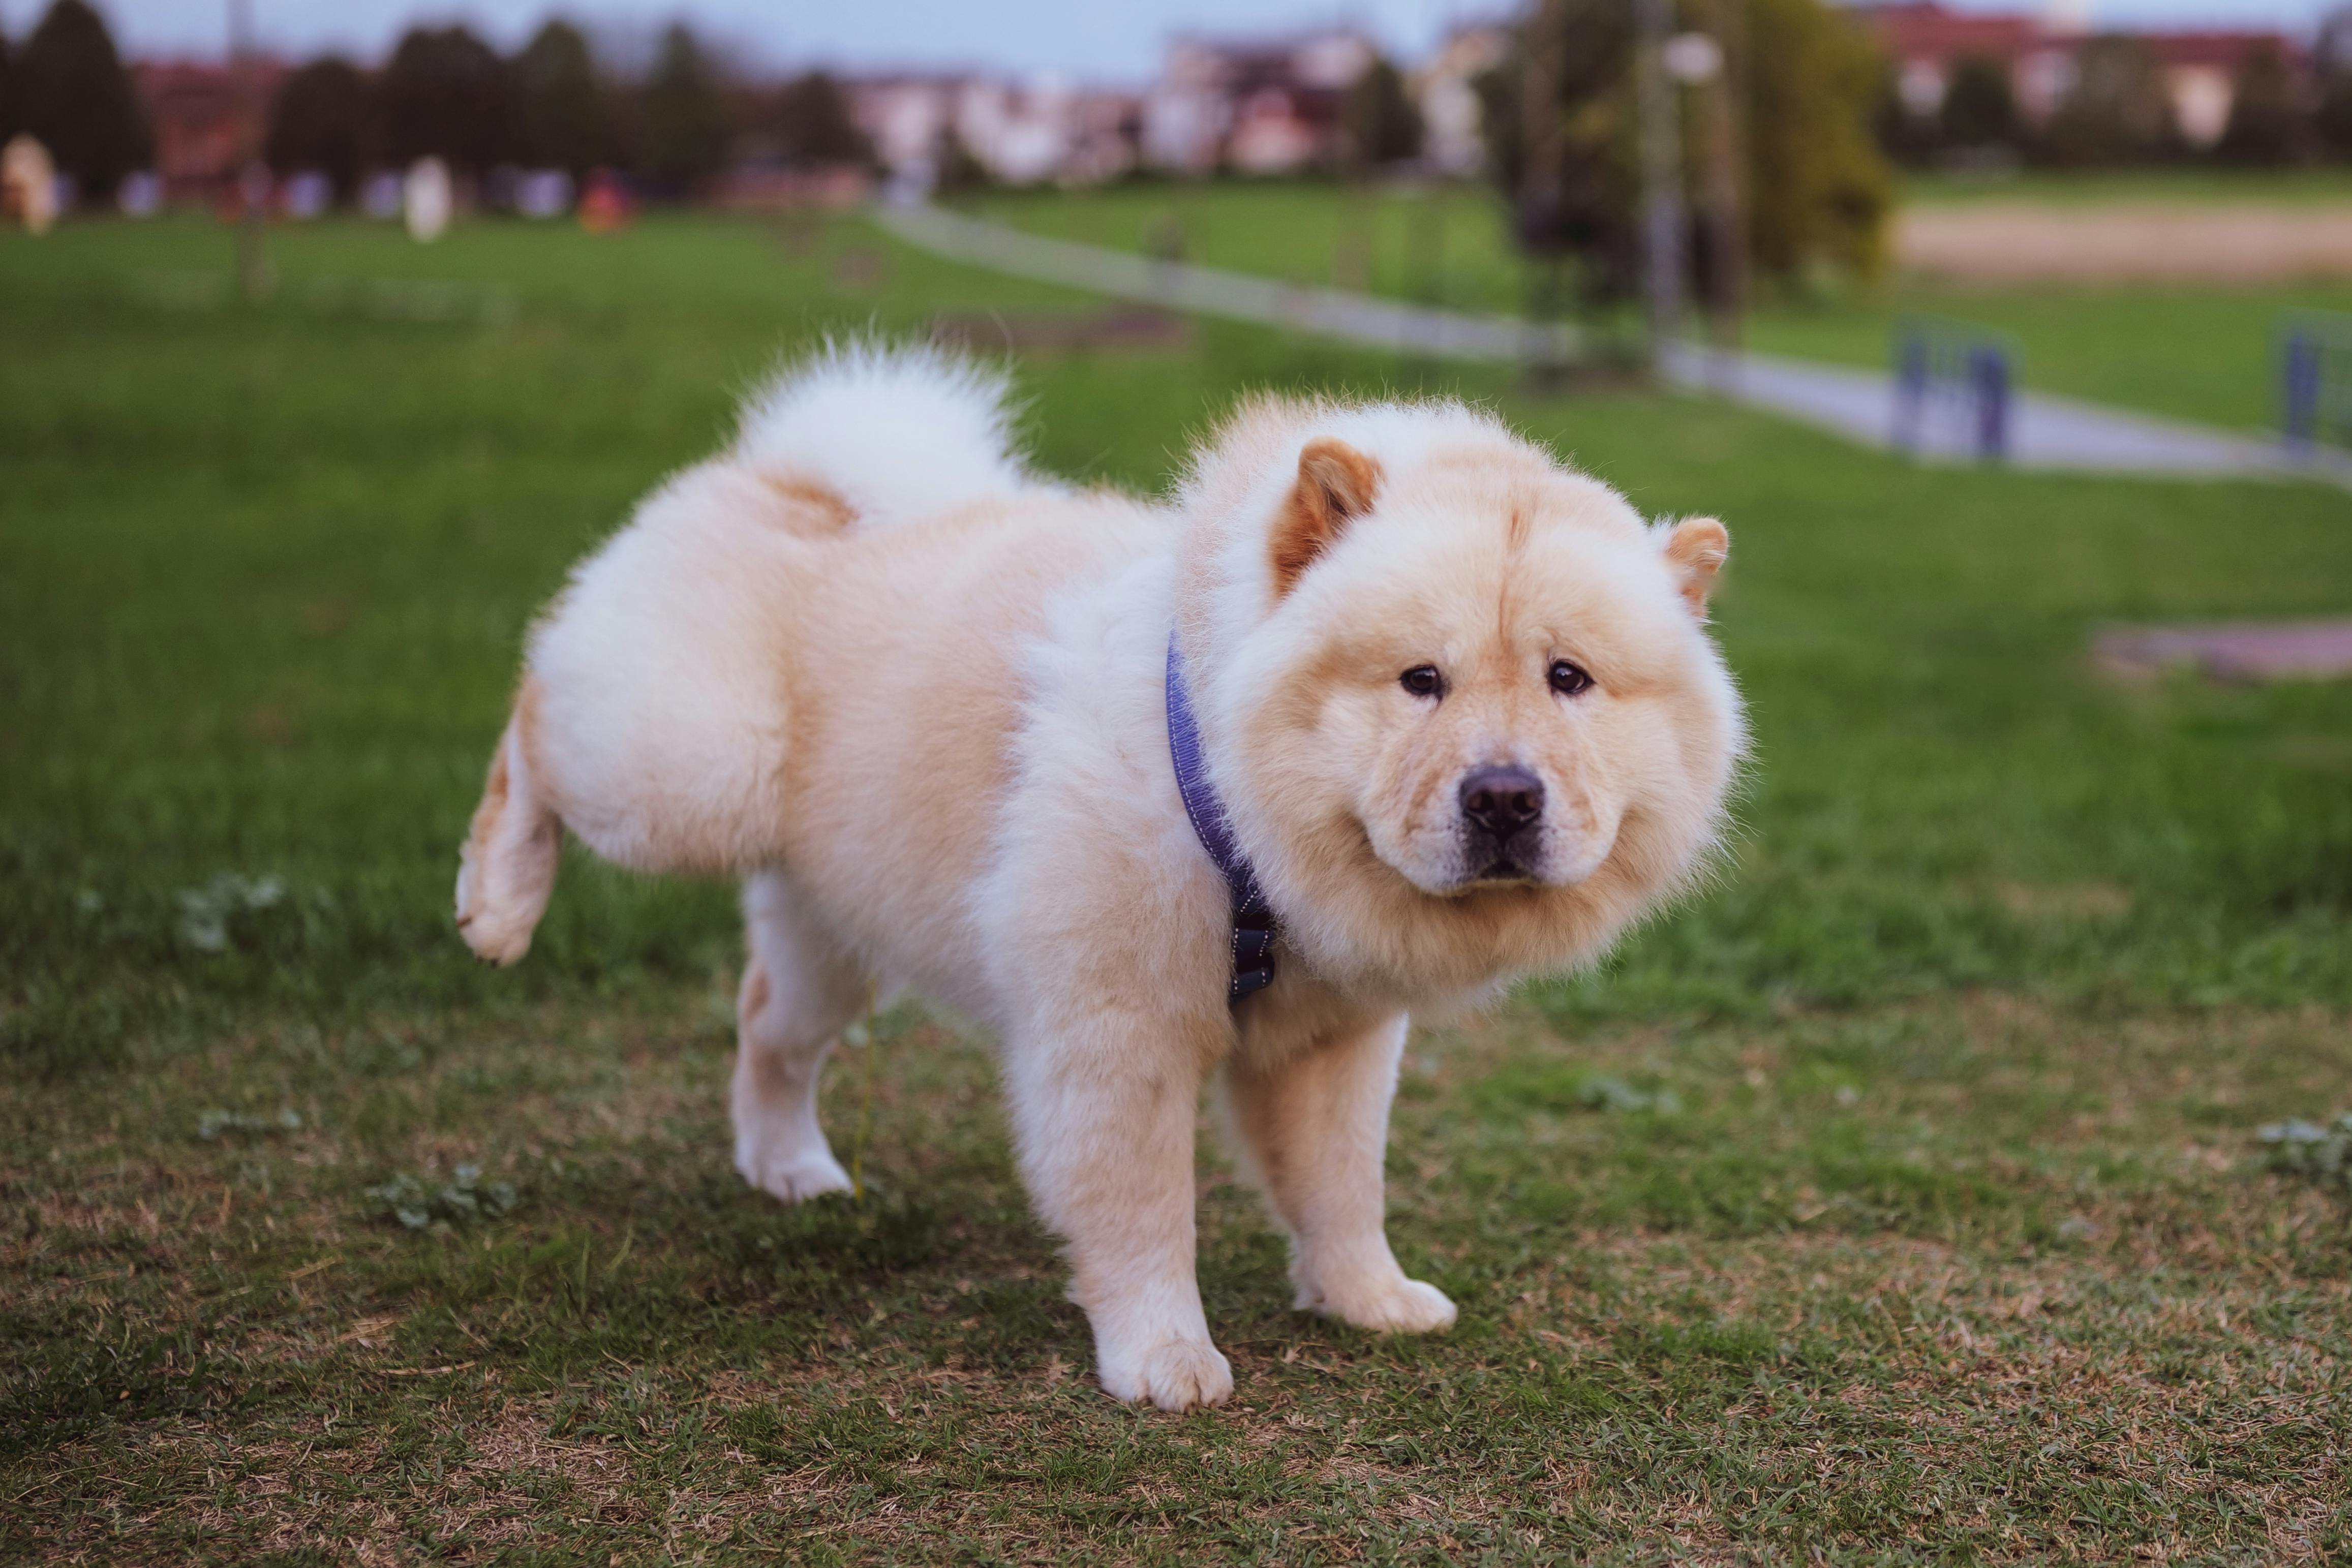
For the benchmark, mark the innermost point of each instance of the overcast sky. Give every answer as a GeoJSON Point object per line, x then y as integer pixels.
{"type": "Point", "coordinates": [1094, 40]}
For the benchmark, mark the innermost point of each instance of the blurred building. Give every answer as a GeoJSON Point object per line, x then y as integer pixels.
{"type": "Point", "coordinates": [1268, 108]}
{"type": "Point", "coordinates": [1453, 118]}
{"type": "Point", "coordinates": [1926, 41]}
{"type": "Point", "coordinates": [207, 117]}
{"type": "Point", "coordinates": [1021, 134]}
{"type": "Point", "coordinates": [2200, 75]}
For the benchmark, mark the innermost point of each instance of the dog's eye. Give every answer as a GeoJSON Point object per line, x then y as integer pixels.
{"type": "Point", "coordinates": [1424, 681]}
{"type": "Point", "coordinates": [1569, 679]}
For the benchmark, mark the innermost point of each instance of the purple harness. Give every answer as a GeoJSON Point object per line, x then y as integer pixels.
{"type": "Point", "coordinates": [1254, 929]}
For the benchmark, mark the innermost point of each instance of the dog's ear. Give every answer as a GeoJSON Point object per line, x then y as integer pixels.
{"type": "Point", "coordinates": [1696, 551]}
{"type": "Point", "coordinates": [1336, 483]}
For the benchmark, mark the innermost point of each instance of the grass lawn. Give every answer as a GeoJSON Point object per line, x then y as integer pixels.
{"type": "Point", "coordinates": [2205, 354]}
{"type": "Point", "coordinates": [1898, 1199]}
{"type": "Point", "coordinates": [2194, 185]}
{"type": "Point", "coordinates": [2199, 353]}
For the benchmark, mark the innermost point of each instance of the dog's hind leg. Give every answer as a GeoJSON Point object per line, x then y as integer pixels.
{"type": "Point", "coordinates": [507, 869]}
{"type": "Point", "coordinates": [1315, 1126]}
{"type": "Point", "coordinates": [653, 714]}
{"type": "Point", "coordinates": [800, 990]}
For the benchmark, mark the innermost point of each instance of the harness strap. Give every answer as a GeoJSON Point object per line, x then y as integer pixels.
{"type": "Point", "coordinates": [1253, 917]}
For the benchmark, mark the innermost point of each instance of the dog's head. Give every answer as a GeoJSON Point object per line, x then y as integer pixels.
{"type": "Point", "coordinates": [1461, 697]}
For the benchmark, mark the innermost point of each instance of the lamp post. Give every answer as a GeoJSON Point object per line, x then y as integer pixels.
{"type": "Point", "coordinates": [253, 177]}
{"type": "Point", "coordinates": [1543, 144]}
{"type": "Point", "coordinates": [1662, 175]}
{"type": "Point", "coordinates": [1701, 61]}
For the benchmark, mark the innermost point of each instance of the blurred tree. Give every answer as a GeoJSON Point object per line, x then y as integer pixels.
{"type": "Point", "coordinates": [685, 128]}
{"type": "Point", "coordinates": [1903, 133]}
{"type": "Point", "coordinates": [321, 120]}
{"type": "Point", "coordinates": [1817, 187]}
{"type": "Point", "coordinates": [2331, 123]}
{"type": "Point", "coordinates": [813, 123]}
{"type": "Point", "coordinates": [1979, 111]}
{"type": "Point", "coordinates": [1560, 107]}
{"type": "Point", "coordinates": [1381, 122]}
{"type": "Point", "coordinates": [71, 91]}
{"type": "Point", "coordinates": [565, 116]}
{"type": "Point", "coordinates": [2268, 123]}
{"type": "Point", "coordinates": [2331, 55]}
{"type": "Point", "coordinates": [959, 172]}
{"type": "Point", "coordinates": [446, 95]}
{"type": "Point", "coordinates": [7, 93]}
{"type": "Point", "coordinates": [2118, 111]}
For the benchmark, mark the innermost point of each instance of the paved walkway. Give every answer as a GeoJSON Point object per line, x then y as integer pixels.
{"type": "Point", "coordinates": [2046, 433]}
{"type": "Point", "coordinates": [1238, 296]}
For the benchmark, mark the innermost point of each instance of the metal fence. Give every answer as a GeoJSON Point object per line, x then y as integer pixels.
{"type": "Point", "coordinates": [2314, 357]}
{"type": "Point", "coordinates": [1954, 389]}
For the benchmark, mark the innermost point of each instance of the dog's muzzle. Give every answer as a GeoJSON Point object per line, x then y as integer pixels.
{"type": "Point", "coordinates": [1502, 822]}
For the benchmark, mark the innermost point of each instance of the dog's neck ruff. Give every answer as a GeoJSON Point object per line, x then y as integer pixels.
{"type": "Point", "coordinates": [1253, 934]}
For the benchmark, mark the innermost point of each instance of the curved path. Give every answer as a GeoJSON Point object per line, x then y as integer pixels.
{"type": "Point", "coordinates": [2046, 433]}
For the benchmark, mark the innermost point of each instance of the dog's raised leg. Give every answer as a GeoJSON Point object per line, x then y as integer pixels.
{"type": "Point", "coordinates": [506, 869]}
{"type": "Point", "coordinates": [1104, 1115]}
{"type": "Point", "coordinates": [799, 991]}
{"type": "Point", "coordinates": [1315, 1125]}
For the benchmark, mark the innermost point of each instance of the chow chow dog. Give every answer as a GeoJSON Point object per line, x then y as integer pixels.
{"type": "Point", "coordinates": [1383, 709]}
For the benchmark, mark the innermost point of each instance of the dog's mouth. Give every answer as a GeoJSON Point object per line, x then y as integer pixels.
{"type": "Point", "coordinates": [1477, 867]}
{"type": "Point", "coordinates": [1504, 869]}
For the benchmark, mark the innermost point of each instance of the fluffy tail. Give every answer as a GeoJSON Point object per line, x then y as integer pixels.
{"type": "Point", "coordinates": [654, 708]}
{"type": "Point", "coordinates": [895, 432]}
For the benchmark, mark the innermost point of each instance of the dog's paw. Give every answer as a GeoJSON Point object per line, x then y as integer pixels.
{"type": "Point", "coordinates": [795, 1178]}
{"type": "Point", "coordinates": [498, 934]}
{"type": "Point", "coordinates": [506, 869]}
{"type": "Point", "coordinates": [1175, 1375]}
{"type": "Point", "coordinates": [1397, 1305]}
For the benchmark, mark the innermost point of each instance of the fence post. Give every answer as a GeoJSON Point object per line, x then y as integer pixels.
{"type": "Point", "coordinates": [1910, 387]}
{"type": "Point", "coordinates": [1989, 369]}
{"type": "Point", "coordinates": [2302, 390]}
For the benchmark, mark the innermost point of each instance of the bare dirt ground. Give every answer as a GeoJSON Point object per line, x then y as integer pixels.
{"type": "Point", "coordinates": [2255, 651]}
{"type": "Point", "coordinates": [2005, 241]}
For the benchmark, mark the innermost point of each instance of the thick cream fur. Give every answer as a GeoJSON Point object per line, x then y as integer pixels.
{"type": "Point", "coordinates": [915, 699]}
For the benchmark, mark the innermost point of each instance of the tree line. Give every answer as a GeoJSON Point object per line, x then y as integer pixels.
{"type": "Point", "coordinates": [443, 93]}
{"type": "Point", "coordinates": [2119, 113]}
{"type": "Point", "coordinates": [66, 86]}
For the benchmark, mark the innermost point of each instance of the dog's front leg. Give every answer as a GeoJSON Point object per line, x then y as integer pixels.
{"type": "Point", "coordinates": [1104, 1115]}
{"type": "Point", "coordinates": [1314, 1124]}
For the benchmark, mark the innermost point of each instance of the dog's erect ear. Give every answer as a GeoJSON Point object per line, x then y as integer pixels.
{"type": "Point", "coordinates": [1696, 551]}
{"type": "Point", "coordinates": [1335, 483]}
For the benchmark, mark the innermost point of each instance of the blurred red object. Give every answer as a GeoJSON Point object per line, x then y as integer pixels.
{"type": "Point", "coordinates": [607, 204]}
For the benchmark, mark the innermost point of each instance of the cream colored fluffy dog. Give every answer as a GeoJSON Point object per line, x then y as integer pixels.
{"type": "Point", "coordinates": [1445, 712]}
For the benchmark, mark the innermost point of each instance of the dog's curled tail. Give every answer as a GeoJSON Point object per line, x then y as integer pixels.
{"type": "Point", "coordinates": [896, 431]}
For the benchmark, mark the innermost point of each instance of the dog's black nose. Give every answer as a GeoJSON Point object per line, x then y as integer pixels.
{"type": "Point", "coordinates": [1502, 800]}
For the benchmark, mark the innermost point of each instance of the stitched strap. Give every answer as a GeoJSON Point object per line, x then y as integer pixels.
{"type": "Point", "coordinates": [1254, 924]}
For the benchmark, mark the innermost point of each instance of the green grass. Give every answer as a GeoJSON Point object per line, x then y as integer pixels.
{"type": "Point", "coordinates": [1444, 243]}
{"type": "Point", "coordinates": [2205, 354]}
{"type": "Point", "coordinates": [2199, 353]}
{"type": "Point", "coordinates": [1898, 1199]}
